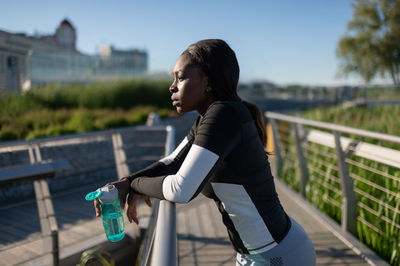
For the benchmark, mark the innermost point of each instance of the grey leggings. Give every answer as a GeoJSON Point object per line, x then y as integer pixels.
{"type": "Point", "coordinates": [295, 249]}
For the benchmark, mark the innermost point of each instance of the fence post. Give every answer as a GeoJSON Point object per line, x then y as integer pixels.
{"type": "Point", "coordinates": [48, 222]}
{"type": "Point", "coordinates": [349, 200]}
{"type": "Point", "coordinates": [277, 148]}
{"type": "Point", "coordinates": [119, 155]}
{"type": "Point", "coordinates": [304, 175]}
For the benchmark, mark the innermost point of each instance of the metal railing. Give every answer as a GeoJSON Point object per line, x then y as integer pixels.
{"type": "Point", "coordinates": [340, 171]}
{"type": "Point", "coordinates": [102, 155]}
{"type": "Point", "coordinates": [38, 173]}
{"type": "Point", "coordinates": [160, 242]}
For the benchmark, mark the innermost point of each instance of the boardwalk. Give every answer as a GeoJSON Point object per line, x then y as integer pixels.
{"type": "Point", "coordinates": [203, 241]}
{"type": "Point", "coordinates": [20, 237]}
{"type": "Point", "coordinates": [202, 238]}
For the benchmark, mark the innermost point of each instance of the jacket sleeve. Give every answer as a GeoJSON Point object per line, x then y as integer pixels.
{"type": "Point", "coordinates": [215, 137]}
{"type": "Point", "coordinates": [167, 165]}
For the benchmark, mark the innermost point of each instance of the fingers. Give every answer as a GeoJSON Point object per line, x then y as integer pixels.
{"type": "Point", "coordinates": [131, 211]}
{"type": "Point", "coordinates": [123, 200]}
{"type": "Point", "coordinates": [96, 207]}
{"type": "Point", "coordinates": [147, 200]}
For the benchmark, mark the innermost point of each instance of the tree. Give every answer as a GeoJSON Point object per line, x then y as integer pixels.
{"type": "Point", "coordinates": [372, 41]}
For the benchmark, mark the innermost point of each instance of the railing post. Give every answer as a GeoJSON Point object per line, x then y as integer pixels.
{"type": "Point", "coordinates": [170, 142]}
{"type": "Point", "coordinates": [277, 148]}
{"type": "Point", "coordinates": [349, 200]}
{"type": "Point", "coordinates": [119, 155]}
{"type": "Point", "coordinates": [304, 175]}
{"type": "Point", "coordinates": [48, 222]}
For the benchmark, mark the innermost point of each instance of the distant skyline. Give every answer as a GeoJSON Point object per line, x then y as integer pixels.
{"type": "Point", "coordinates": [284, 42]}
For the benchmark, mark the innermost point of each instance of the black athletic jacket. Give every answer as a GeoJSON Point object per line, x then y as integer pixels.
{"type": "Point", "coordinates": [223, 157]}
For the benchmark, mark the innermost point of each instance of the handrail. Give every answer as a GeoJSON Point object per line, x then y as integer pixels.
{"type": "Point", "coordinates": [38, 174]}
{"type": "Point", "coordinates": [101, 133]}
{"type": "Point", "coordinates": [44, 168]}
{"type": "Point", "coordinates": [333, 127]}
{"type": "Point", "coordinates": [161, 240]}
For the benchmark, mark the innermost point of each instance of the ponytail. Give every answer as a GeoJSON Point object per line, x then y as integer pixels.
{"type": "Point", "coordinates": [258, 120]}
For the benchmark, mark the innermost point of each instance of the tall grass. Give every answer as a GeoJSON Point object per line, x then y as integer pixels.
{"type": "Point", "coordinates": [57, 109]}
{"type": "Point", "coordinates": [383, 118]}
{"type": "Point", "coordinates": [377, 191]}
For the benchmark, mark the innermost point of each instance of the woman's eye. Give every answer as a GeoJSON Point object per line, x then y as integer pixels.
{"type": "Point", "coordinates": [181, 78]}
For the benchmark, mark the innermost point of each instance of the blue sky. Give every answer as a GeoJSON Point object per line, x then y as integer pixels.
{"type": "Point", "coordinates": [285, 42]}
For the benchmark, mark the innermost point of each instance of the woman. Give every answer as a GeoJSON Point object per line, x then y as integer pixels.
{"type": "Point", "coordinates": [222, 157]}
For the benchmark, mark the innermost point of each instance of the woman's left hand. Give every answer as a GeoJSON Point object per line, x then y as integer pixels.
{"type": "Point", "coordinates": [133, 198]}
{"type": "Point", "coordinates": [123, 190]}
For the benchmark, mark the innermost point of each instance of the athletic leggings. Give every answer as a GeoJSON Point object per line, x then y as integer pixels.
{"type": "Point", "coordinates": [295, 249]}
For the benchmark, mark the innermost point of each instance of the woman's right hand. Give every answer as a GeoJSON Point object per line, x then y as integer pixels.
{"type": "Point", "coordinates": [123, 190]}
{"type": "Point", "coordinates": [131, 212]}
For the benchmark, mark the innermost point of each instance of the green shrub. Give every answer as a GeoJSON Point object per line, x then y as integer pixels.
{"type": "Point", "coordinates": [112, 94]}
{"type": "Point", "coordinates": [57, 109]}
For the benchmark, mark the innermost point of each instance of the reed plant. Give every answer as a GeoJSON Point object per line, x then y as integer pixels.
{"type": "Point", "coordinates": [377, 186]}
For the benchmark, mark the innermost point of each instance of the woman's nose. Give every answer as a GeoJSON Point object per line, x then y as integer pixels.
{"type": "Point", "coordinates": [173, 88]}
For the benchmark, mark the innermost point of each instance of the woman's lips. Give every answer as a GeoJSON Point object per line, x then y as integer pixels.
{"type": "Point", "coordinates": [175, 103]}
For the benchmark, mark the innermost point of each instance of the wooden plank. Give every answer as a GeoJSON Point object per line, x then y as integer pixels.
{"type": "Point", "coordinates": [205, 221]}
{"type": "Point", "coordinates": [181, 223]}
{"type": "Point", "coordinates": [216, 219]}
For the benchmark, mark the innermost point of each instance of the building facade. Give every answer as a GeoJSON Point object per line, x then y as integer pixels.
{"type": "Point", "coordinates": [128, 62]}
{"type": "Point", "coordinates": [14, 53]}
{"type": "Point", "coordinates": [27, 61]}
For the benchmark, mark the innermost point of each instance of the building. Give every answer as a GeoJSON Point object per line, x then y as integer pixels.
{"type": "Point", "coordinates": [121, 62]}
{"type": "Point", "coordinates": [27, 61]}
{"type": "Point", "coordinates": [14, 53]}
{"type": "Point", "coordinates": [54, 58]}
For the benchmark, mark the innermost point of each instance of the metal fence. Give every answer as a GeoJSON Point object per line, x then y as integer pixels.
{"type": "Point", "coordinates": [95, 157]}
{"type": "Point", "coordinates": [159, 247]}
{"type": "Point", "coordinates": [352, 175]}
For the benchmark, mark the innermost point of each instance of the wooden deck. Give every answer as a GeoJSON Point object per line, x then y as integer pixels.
{"type": "Point", "coordinates": [20, 237]}
{"type": "Point", "coordinates": [204, 241]}
{"type": "Point", "coordinates": [201, 240]}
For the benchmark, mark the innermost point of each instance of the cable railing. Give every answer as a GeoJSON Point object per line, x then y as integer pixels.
{"type": "Point", "coordinates": [352, 175]}
{"type": "Point", "coordinates": [95, 157]}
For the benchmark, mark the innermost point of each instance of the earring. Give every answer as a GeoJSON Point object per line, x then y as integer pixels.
{"type": "Point", "coordinates": [208, 90]}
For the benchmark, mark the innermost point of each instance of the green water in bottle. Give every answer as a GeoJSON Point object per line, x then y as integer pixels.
{"type": "Point", "coordinates": [111, 212]}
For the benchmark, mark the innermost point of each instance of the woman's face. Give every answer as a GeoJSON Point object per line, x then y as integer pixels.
{"type": "Point", "coordinates": [189, 87]}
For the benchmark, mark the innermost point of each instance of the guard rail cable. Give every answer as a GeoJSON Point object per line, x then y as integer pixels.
{"type": "Point", "coordinates": [307, 132]}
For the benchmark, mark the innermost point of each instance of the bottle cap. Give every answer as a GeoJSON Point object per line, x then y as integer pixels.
{"type": "Point", "coordinates": [109, 193]}
{"type": "Point", "coordinates": [93, 195]}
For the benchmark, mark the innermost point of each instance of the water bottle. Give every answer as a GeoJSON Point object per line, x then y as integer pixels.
{"type": "Point", "coordinates": [111, 212]}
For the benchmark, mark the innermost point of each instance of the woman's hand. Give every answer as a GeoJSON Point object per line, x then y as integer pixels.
{"type": "Point", "coordinates": [123, 190]}
{"type": "Point", "coordinates": [132, 202]}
